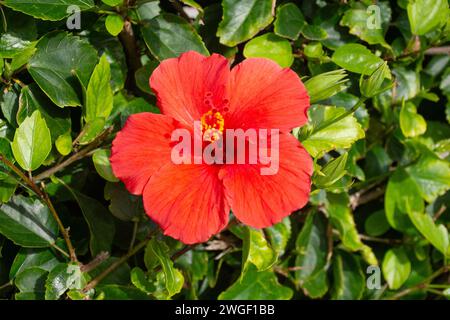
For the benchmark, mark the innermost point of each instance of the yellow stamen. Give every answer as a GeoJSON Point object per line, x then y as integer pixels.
{"type": "Point", "coordinates": [212, 125]}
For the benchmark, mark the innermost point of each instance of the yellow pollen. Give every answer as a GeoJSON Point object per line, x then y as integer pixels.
{"type": "Point", "coordinates": [212, 125]}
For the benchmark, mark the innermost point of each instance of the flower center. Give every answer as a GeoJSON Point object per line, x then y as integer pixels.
{"type": "Point", "coordinates": [212, 125]}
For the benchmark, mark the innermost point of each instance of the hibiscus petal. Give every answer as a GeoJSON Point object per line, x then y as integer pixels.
{"type": "Point", "coordinates": [141, 148]}
{"type": "Point", "coordinates": [264, 95]}
{"type": "Point", "coordinates": [187, 201]}
{"type": "Point", "coordinates": [263, 200]}
{"type": "Point", "coordinates": [182, 84]}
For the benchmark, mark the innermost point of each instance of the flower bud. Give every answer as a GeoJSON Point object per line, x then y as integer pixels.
{"type": "Point", "coordinates": [373, 85]}
{"type": "Point", "coordinates": [326, 85]}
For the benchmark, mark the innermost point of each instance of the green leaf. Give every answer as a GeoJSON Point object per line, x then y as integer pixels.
{"type": "Point", "coordinates": [363, 22]}
{"type": "Point", "coordinates": [349, 280]}
{"type": "Point", "coordinates": [63, 277]}
{"type": "Point", "coordinates": [31, 284]}
{"type": "Point", "coordinates": [256, 250]}
{"type": "Point", "coordinates": [272, 47]}
{"type": "Point", "coordinates": [396, 267]}
{"type": "Point", "coordinates": [64, 144]}
{"type": "Point", "coordinates": [92, 130]}
{"type": "Point", "coordinates": [331, 172]}
{"type": "Point", "coordinates": [32, 142]}
{"type": "Point", "coordinates": [411, 123]}
{"type": "Point", "coordinates": [328, 131]}
{"type": "Point", "coordinates": [426, 15]}
{"type": "Point", "coordinates": [279, 235]}
{"type": "Point", "coordinates": [32, 98]}
{"type": "Point", "coordinates": [100, 223]}
{"type": "Point", "coordinates": [289, 22]}
{"type": "Point", "coordinates": [173, 278]}
{"type": "Point", "coordinates": [437, 235]}
{"type": "Point", "coordinates": [356, 58]}
{"type": "Point", "coordinates": [27, 222]}
{"type": "Point", "coordinates": [112, 3]}
{"type": "Point", "coordinates": [376, 224]}
{"type": "Point", "coordinates": [114, 24]}
{"type": "Point", "coordinates": [243, 19]}
{"type": "Point", "coordinates": [195, 262]}
{"type": "Point", "coordinates": [143, 74]}
{"type": "Point", "coordinates": [99, 95]}
{"type": "Point", "coordinates": [431, 175]}
{"type": "Point", "coordinates": [312, 247]}
{"type": "Point", "coordinates": [8, 186]}
{"type": "Point", "coordinates": [102, 165]}
{"type": "Point", "coordinates": [17, 33]}
{"type": "Point", "coordinates": [342, 219]}
{"type": "Point", "coordinates": [60, 60]}
{"type": "Point", "coordinates": [118, 292]}
{"type": "Point", "coordinates": [48, 10]}
{"type": "Point", "coordinates": [9, 105]}
{"type": "Point", "coordinates": [313, 32]}
{"type": "Point", "coordinates": [401, 193]}
{"type": "Point", "coordinates": [256, 285]}
{"type": "Point", "coordinates": [26, 258]}
{"type": "Point", "coordinates": [140, 281]}
{"type": "Point", "coordinates": [168, 36]}
{"type": "Point", "coordinates": [123, 205]}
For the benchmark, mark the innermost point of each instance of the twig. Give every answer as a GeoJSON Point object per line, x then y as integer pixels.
{"type": "Point", "coordinates": [128, 40]}
{"type": "Point", "coordinates": [93, 283]}
{"type": "Point", "coordinates": [421, 285]}
{"type": "Point", "coordinates": [380, 240]}
{"type": "Point", "coordinates": [102, 256]}
{"type": "Point", "coordinates": [364, 196]}
{"type": "Point", "coordinates": [86, 151]}
{"type": "Point", "coordinates": [6, 285]}
{"type": "Point", "coordinates": [40, 192]}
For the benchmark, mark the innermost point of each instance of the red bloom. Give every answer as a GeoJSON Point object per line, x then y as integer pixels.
{"type": "Point", "coordinates": [191, 202]}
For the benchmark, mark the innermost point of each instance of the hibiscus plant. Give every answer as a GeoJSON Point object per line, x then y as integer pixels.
{"type": "Point", "coordinates": [223, 149]}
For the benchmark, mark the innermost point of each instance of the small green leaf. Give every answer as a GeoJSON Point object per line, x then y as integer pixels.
{"type": "Point", "coordinates": [31, 284]}
{"type": "Point", "coordinates": [114, 24]}
{"type": "Point", "coordinates": [342, 219]}
{"type": "Point", "coordinates": [99, 220]}
{"type": "Point", "coordinates": [349, 279]}
{"type": "Point", "coordinates": [257, 285]}
{"type": "Point", "coordinates": [327, 131]}
{"type": "Point", "coordinates": [27, 258]}
{"type": "Point", "coordinates": [426, 15]}
{"type": "Point", "coordinates": [256, 250]}
{"type": "Point", "coordinates": [99, 96]}
{"type": "Point", "coordinates": [48, 10]}
{"type": "Point", "coordinates": [331, 172]}
{"type": "Point", "coordinates": [411, 123]}
{"type": "Point", "coordinates": [356, 58]}
{"type": "Point", "coordinates": [27, 222]}
{"type": "Point", "coordinates": [279, 235]}
{"type": "Point", "coordinates": [376, 224]}
{"type": "Point", "coordinates": [396, 267]}
{"type": "Point", "coordinates": [140, 281]}
{"type": "Point", "coordinates": [113, 3]}
{"type": "Point", "coordinates": [168, 36]}
{"type": "Point", "coordinates": [289, 22]}
{"type": "Point", "coordinates": [437, 235]}
{"type": "Point", "coordinates": [32, 142]}
{"type": "Point", "coordinates": [92, 130]}
{"type": "Point", "coordinates": [62, 278]}
{"type": "Point", "coordinates": [312, 247]}
{"type": "Point", "coordinates": [272, 47]}
{"type": "Point", "coordinates": [101, 162]}
{"type": "Point", "coordinates": [173, 278]}
{"type": "Point", "coordinates": [64, 144]}
{"type": "Point", "coordinates": [243, 19]}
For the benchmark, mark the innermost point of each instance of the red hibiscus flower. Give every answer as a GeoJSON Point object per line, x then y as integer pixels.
{"type": "Point", "coordinates": [191, 202]}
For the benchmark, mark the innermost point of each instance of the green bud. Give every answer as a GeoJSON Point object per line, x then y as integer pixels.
{"type": "Point", "coordinates": [313, 50]}
{"type": "Point", "coordinates": [373, 85]}
{"type": "Point", "coordinates": [326, 85]}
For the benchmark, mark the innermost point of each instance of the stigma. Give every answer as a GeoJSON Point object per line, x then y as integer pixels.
{"type": "Point", "coordinates": [212, 125]}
